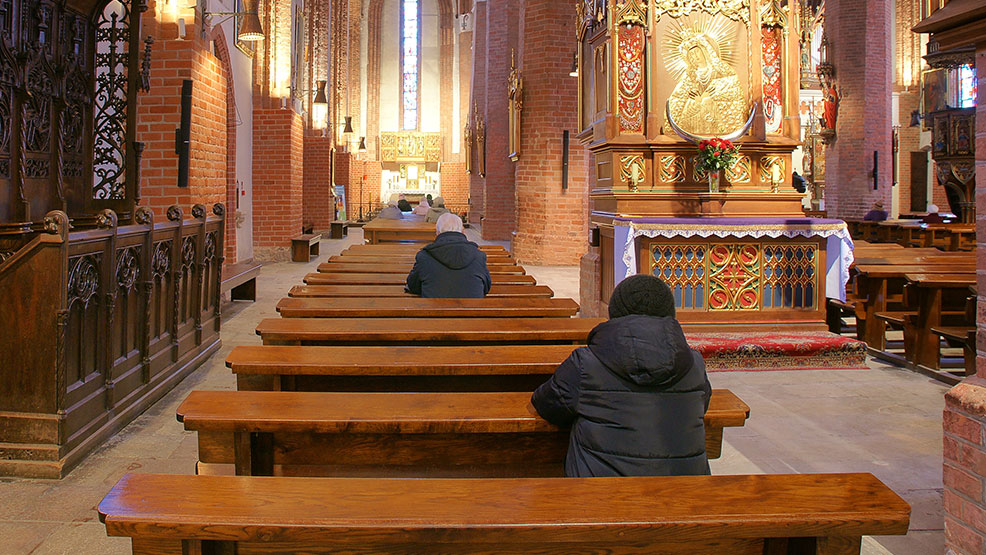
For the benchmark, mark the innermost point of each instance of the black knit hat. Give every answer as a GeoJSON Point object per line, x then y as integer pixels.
{"type": "Point", "coordinates": [641, 294]}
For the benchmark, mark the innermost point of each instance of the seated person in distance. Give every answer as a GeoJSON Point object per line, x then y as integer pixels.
{"type": "Point", "coordinates": [636, 396]}
{"type": "Point", "coordinates": [450, 268]}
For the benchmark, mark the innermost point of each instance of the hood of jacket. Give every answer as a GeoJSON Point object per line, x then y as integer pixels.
{"type": "Point", "coordinates": [649, 351]}
{"type": "Point", "coordinates": [453, 250]}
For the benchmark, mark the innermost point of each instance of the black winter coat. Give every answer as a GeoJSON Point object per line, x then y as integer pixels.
{"type": "Point", "coordinates": [451, 268]}
{"type": "Point", "coordinates": [635, 397]}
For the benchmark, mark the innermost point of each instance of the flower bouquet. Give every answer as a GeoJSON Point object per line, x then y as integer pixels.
{"type": "Point", "coordinates": [714, 156]}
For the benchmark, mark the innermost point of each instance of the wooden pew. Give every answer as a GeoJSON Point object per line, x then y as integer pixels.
{"type": "Point", "coordinates": [408, 259]}
{"type": "Point", "coordinates": [400, 279]}
{"type": "Point", "coordinates": [416, 307]}
{"type": "Point", "coordinates": [399, 368]}
{"type": "Point", "coordinates": [395, 268]}
{"type": "Point", "coordinates": [937, 301]}
{"type": "Point", "coordinates": [425, 331]}
{"type": "Point", "coordinates": [386, 231]}
{"type": "Point", "coordinates": [377, 250]}
{"type": "Point", "coordinates": [326, 291]}
{"type": "Point", "coordinates": [496, 434]}
{"type": "Point", "coordinates": [799, 513]}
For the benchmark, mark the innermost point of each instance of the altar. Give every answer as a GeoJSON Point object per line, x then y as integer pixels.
{"type": "Point", "coordinates": [690, 110]}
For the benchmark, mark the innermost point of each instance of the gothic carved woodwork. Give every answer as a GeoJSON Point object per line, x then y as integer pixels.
{"type": "Point", "coordinates": [467, 146]}
{"type": "Point", "coordinates": [953, 148]}
{"type": "Point", "coordinates": [515, 103]}
{"type": "Point", "coordinates": [109, 150]}
{"type": "Point", "coordinates": [773, 100]}
{"type": "Point", "coordinates": [410, 146]}
{"type": "Point", "coordinates": [768, 171]}
{"type": "Point", "coordinates": [632, 39]}
{"type": "Point", "coordinates": [741, 171]}
{"type": "Point", "coordinates": [632, 171]}
{"type": "Point", "coordinates": [480, 144]}
{"type": "Point", "coordinates": [672, 169]}
{"type": "Point", "coordinates": [737, 10]}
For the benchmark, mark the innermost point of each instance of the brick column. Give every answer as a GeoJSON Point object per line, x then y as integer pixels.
{"type": "Point", "coordinates": [278, 178]}
{"type": "Point", "coordinates": [551, 221]}
{"type": "Point", "coordinates": [477, 183]}
{"type": "Point", "coordinates": [860, 35]}
{"type": "Point", "coordinates": [501, 38]}
{"type": "Point", "coordinates": [964, 471]}
{"type": "Point", "coordinates": [319, 207]}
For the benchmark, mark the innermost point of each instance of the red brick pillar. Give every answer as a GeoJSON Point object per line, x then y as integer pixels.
{"type": "Point", "coordinates": [965, 405]}
{"type": "Point", "coordinates": [501, 39]}
{"type": "Point", "coordinates": [319, 209]}
{"type": "Point", "coordinates": [278, 182]}
{"type": "Point", "coordinates": [551, 221]}
{"type": "Point", "coordinates": [477, 183]}
{"type": "Point", "coordinates": [860, 35]}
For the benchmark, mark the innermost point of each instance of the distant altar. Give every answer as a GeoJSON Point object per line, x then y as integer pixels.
{"type": "Point", "coordinates": [656, 77]}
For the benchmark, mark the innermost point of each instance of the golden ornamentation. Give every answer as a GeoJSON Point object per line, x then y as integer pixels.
{"type": "Point", "coordinates": [410, 146]}
{"type": "Point", "coordinates": [790, 276]}
{"type": "Point", "coordinates": [515, 102]}
{"type": "Point", "coordinates": [708, 99]}
{"type": "Point", "coordinates": [698, 175]}
{"type": "Point", "coordinates": [741, 170]}
{"type": "Point", "coordinates": [630, 12]}
{"type": "Point", "coordinates": [632, 170]}
{"type": "Point", "coordinates": [480, 143]}
{"type": "Point", "coordinates": [767, 164]}
{"type": "Point", "coordinates": [734, 277]}
{"type": "Point", "coordinates": [632, 39]}
{"type": "Point", "coordinates": [737, 10]}
{"type": "Point", "coordinates": [672, 169]}
{"type": "Point", "coordinates": [684, 268]}
{"type": "Point", "coordinates": [772, 14]}
{"type": "Point", "coordinates": [467, 146]}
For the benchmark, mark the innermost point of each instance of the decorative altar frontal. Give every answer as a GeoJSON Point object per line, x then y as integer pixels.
{"type": "Point", "coordinates": [725, 270]}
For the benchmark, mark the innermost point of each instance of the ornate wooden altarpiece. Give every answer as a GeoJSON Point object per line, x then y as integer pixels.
{"type": "Point", "coordinates": [655, 77]}
{"type": "Point", "coordinates": [103, 310]}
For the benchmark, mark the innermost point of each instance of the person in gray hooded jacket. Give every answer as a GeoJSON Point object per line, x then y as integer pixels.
{"type": "Point", "coordinates": [636, 396]}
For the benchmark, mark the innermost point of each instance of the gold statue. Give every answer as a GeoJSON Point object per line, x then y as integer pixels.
{"type": "Point", "coordinates": [708, 99]}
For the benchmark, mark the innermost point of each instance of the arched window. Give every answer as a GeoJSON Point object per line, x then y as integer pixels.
{"type": "Point", "coordinates": [410, 62]}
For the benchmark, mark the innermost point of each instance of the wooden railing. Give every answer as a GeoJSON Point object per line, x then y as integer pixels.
{"type": "Point", "coordinates": [98, 324]}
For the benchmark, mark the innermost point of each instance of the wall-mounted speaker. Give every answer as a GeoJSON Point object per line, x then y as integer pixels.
{"type": "Point", "coordinates": [183, 135]}
{"type": "Point", "coordinates": [594, 237]}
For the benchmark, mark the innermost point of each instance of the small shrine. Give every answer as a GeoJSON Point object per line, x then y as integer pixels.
{"type": "Point", "coordinates": [659, 78]}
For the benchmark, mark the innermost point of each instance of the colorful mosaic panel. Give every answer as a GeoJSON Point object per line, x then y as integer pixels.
{"type": "Point", "coordinates": [790, 276]}
{"type": "Point", "coordinates": [734, 277]}
{"type": "Point", "coordinates": [631, 67]}
{"type": "Point", "coordinates": [672, 169]}
{"type": "Point", "coordinates": [684, 269]}
{"type": "Point", "coordinates": [773, 107]}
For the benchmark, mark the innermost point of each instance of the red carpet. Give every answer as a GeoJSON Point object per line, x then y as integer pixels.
{"type": "Point", "coordinates": [735, 352]}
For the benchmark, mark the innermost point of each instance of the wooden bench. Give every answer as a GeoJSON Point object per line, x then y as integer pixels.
{"type": "Point", "coordinates": [408, 259]}
{"type": "Point", "coordinates": [304, 247]}
{"type": "Point", "coordinates": [338, 229]}
{"type": "Point", "coordinates": [397, 268]}
{"type": "Point", "coordinates": [416, 307]}
{"type": "Point", "coordinates": [377, 250]}
{"type": "Point", "coordinates": [400, 279]}
{"type": "Point", "coordinates": [400, 368]}
{"type": "Point", "coordinates": [964, 336]}
{"type": "Point", "coordinates": [363, 291]}
{"type": "Point", "coordinates": [425, 331]}
{"type": "Point", "coordinates": [800, 513]}
{"type": "Point", "coordinates": [402, 231]}
{"type": "Point", "coordinates": [241, 281]}
{"type": "Point", "coordinates": [496, 434]}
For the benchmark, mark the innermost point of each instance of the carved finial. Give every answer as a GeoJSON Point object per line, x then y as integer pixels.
{"type": "Point", "coordinates": [198, 211]}
{"type": "Point", "coordinates": [56, 223]}
{"type": "Point", "coordinates": [175, 213]}
{"type": "Point", "coordinates": [106, 219]}
{"type": "Point", "coordinates": [219, 209]}
{"type": "Point", "coordinates": [144, 216]}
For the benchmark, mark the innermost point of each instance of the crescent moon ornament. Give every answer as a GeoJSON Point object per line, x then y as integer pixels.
{"type": "Point", "coordinates": [695, 139]}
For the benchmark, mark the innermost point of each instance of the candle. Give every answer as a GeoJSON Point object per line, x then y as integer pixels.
{"type": "Point", "coordinates": [775, 173]}
{"type": "Point", "coordinates": [635, 171]}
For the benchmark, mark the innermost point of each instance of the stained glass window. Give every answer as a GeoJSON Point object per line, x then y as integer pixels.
{"type": "Point", "coordinates": [967, 86]}
{"type": "Point", "coordinates": [410, 54]}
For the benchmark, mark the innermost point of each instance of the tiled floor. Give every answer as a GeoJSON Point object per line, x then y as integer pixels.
{"type": "Point", "coordinates": [885, 420]}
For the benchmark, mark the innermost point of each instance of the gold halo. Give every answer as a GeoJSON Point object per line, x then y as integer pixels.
{"type": "Point", "coordinates": [721, 31]}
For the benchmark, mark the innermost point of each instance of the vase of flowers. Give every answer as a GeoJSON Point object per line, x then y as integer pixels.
{"type": "Point", "coordinates": [714, 157]}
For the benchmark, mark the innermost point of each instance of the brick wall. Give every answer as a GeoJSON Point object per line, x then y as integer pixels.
{"type": "Point", "coordinates": [278, 182]}
{"type": "Point", "coordinates": [861, 34]}
{"type": "Point", "coordinates": [501, 38]}
{"type": "Point", "coordinates": [159, 114]}
{"type": "Point", "coordinates": [964, 470]}
{"type": "Point", "coordinates": [551, 222]}
{"type": "Point", "coordinates": [222, 54]}
{"type": "Point", "coordinates": [910, 141]}
{"type": "Point", "coordinates": [455, 187]}
{"type": "Point", "coordinates": [319, 206]}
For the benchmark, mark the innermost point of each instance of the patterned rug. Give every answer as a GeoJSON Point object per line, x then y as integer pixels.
{"type": "Point", "coordinates": [744, 352]}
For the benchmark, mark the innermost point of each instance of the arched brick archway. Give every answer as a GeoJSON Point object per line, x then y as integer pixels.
{"type": "Point", "coordinates": [221, 49]}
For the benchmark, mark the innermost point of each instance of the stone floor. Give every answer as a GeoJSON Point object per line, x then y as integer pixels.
{"type": "Point", "coordinates": [885, 420]}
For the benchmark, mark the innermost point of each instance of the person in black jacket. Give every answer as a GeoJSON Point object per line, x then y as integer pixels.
{"type": "Point", "coordinates": [636, 396]}
{"type": "Point", "coordinates": [404, 205]}
{"type": "Point", "coordinates": [452, 267]}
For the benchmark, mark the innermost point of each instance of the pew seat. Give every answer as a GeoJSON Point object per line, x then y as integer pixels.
{"type": "Point", "coordinates": [801, 513]}
{"type": "Point", "coordinates": [425, 331]}
{"type": "Point", "coordinates": [416, 307]}
{"type": "Point", "coordinates": [364, 291]}
{"type": "Point", "coordinates": [493, 434]}
{"type": "Point", "coordinates": [401, 279]}
{"type": "Point", "coordinates": [393, 267]}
